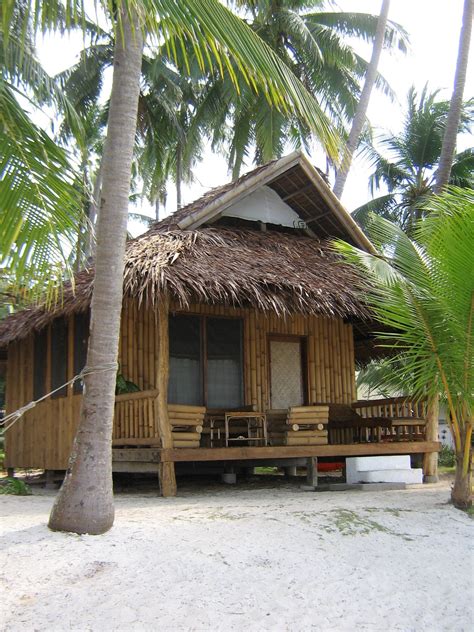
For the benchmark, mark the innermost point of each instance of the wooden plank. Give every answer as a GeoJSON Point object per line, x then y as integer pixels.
{"type": "Point", "coordinates": [184, 436]}
{"type": "Point", "coordinates": [137, 441]}
{"type": "Point", "coordinates": [137, 467]}
{"type": "Point", "coordinates": [185, 444]}
{"type": "Point", "coordinates": [244, 453]}
{"type": "Point", "coordinates": [134, 396]}
{"type": "Point", "coordinates": [183, 408]}
{"type": "Point", "coordinates": [136, 454]}
{"type": "Point", "coordinates": [313, 440]}
{"type": "Point", "coordinates": [191, 417]}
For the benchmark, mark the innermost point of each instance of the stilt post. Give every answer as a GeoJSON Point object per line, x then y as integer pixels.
{"type": "Point", "coordinates": [312, 471]}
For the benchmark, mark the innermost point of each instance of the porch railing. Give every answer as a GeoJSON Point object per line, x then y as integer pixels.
{"type": "Point", "coordinates": [379, 420]}
{"type": "Point", "coordinates": [136, 421]}
{"type": "Point", "coordinates": [135, 418]}
{"type": "Point", "coordinates": [407, 417]}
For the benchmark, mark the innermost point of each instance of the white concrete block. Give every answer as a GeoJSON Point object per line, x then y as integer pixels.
{"type": "Point", "coordinates": [410, 477]}
{"type": "Point", "coordinates": [368, 463]}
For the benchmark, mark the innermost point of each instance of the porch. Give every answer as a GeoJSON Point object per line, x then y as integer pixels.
{"type": "Point", "coordinates": [380, 427]}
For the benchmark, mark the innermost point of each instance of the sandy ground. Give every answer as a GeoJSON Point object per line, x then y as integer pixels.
{"type": "Point", "coordinates": [243, 559]}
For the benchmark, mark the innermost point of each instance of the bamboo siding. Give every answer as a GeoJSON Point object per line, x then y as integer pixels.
{"type": "Point", "coordinates": [43, 437]}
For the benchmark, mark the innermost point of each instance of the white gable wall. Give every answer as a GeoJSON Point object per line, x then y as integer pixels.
{"type": "Point", "coordinates": [264, 205]}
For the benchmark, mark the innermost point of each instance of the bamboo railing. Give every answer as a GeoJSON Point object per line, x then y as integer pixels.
{"type": "Point", "coordinates": [135, 418]}
{"type": "Point", "coordinates": [136, 421]}
{"type": "Point", "coordinates": [407, 416]}
{"type": "Point", "coordinates": [383, 420]}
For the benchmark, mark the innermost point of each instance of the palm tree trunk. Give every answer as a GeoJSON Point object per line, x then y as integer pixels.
{"type": "Point", "coordinates": [93, 213]}
{"type": "Point", "coordinates": [85, 501]}
{"type": "Point", "coordinates": [454, 114]}
{"type": "Point", "coordinates": [179, 175]}
{"type": "Point", "coordinates": [430, 459]}
{"type": "Point", "coordinates": [461, 493]}
{"type": "Point", "coordinates": [361, 111]}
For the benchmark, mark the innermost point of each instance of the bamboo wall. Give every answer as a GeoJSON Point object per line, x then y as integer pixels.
{"type": "Point", "coordinates": [43, 437]}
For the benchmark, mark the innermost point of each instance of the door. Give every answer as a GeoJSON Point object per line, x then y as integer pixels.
{"type": "Point", "coordinates": [286, 373]}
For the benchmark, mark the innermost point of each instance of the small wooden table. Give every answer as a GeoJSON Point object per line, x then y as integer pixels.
{"type": "Point", "coordinates": [256, 427]}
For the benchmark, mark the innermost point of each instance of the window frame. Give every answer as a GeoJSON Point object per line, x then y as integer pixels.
{"type": "Point", "coordinates": [61, 323]}
{"type": "Point", "coordinates": [203, 318]}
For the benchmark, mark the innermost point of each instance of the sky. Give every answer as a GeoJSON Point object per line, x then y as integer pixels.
{"type": "Point", "coordinates": [433, 27]}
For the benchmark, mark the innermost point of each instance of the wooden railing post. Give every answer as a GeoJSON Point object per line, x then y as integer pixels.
{"type": "Point", "coordinates": [166, 468]}
{"type": "Point", "coordinates": [430, 459]}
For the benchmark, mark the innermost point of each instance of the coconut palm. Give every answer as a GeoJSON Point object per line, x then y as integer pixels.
{"type": "Point", "coordinates": [455, 108]}
{"type": "Point", "coordinates": [423, 292]}
{"type": "Point", "coordinates": [363, 104]}
{"type": "Point", "coordinates": [313, 42]}
{"type": "Point", "coordinates": [406, 162]}
{"type": "Point", "coordinates": [171, 138]}
{"type": "Point", "coordinates": [40, 203]}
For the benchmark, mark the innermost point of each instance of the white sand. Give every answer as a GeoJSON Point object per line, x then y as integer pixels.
{"type": "Point", "coordinates": [272, 559]}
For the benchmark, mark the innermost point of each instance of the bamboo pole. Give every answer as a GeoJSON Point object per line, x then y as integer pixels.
{"type": "Point", "coordinates": [247, 384]}
{"type": "Point", "coordinates": [253, 360]}
{"type": "Point", "coordinates": [166, 469]}
{"type": "Point", "coordinates": [311, 368]}
{"type": "Point", "coordinates": [320, 359]}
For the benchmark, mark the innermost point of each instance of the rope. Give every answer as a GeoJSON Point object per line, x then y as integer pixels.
{"type": "Point", "coordinates": [87, 370]}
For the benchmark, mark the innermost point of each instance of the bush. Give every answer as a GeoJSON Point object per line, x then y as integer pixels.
{"type": "Point", "coordinates": [15, 487]}
{"type": "Point", "coordinates": [446, 457]}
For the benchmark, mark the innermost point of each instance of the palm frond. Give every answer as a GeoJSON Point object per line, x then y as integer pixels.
{"type": "Point", "coordinates": [41, 208]}
{"type": "Point", "coordinates": [423, 292]}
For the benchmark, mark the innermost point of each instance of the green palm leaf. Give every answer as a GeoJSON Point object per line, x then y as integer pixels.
{"type": "Point", "coordinates": [40, 208]}
{"type": "Point", "coordinates": [423, 292]}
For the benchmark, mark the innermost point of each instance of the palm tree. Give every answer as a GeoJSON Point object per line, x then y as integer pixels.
{"type": "Point", "coordinates": [85, 501]}
{"type": "Point", "coordinates": [406, 162]}
{"type": "Point", "coordinates": [455, 108]}
{"type": "Point", "coordinates": [423, 292]}
{"type": "Point", "coordinates": [171, 138]}
{"type": "Point", "coordinates": [40, 203]}
{"type": "Point", "coordinates": [361, 111]}
{"type": "Point", "coordinates": [313, 43]}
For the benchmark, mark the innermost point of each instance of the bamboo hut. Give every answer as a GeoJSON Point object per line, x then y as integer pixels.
{"type": "Point", "coordinates": [241, 330]}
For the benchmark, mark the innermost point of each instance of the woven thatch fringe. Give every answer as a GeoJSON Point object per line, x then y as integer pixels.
{"type": "Point", "coordinates": [268, 271]}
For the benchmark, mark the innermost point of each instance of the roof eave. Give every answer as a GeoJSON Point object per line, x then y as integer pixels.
{"type": "Point", "coordinates": [336, 207]}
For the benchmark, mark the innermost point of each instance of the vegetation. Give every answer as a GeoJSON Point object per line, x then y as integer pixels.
{"type": "Point", "coordinates": [315, 43]}
{"type": "Point", "coordinates": [14, 487]}
{"type": "Point", "coordinates": [423, 291]}
{"type": "Point", "coordinates": [455, 106]}
{"type": "Point", "coordinates": [406, 163]}
{"type": "Point", "coordinates": [361, 111]}
{"type": "Point", "coordinates": [40, 207]}
{"type": "Point", "coordinates": [447, 457]}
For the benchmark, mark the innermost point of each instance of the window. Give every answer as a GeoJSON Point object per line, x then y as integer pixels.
{"type": "Point", "coordinates": [39, 363]}
{"type": "Point", "coordinates": [205, 361]}
{"type": "Point", "coordinates": [59, 353]}
{"type": "Point", "coordinates": [81, 338]}
{"type": "Point", "coordinates": [224, 363]}
{"type": "Point", "coordinates": [185, 381]}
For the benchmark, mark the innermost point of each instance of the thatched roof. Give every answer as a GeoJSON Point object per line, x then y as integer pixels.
{"type": "Point", "coordinates": [269, 271]}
